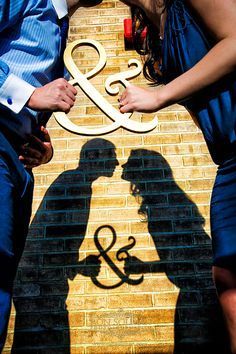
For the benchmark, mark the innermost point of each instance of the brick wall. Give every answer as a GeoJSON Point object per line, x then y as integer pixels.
{"type": "Point", "coordinates": [139, 197]}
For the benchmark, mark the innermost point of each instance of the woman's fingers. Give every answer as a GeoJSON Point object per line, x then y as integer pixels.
{"type": "Point", "coordinates": [126, 108]}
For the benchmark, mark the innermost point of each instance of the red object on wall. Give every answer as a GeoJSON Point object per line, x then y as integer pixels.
{"type": "Point", "coordinates": [128, 28]}
{"type": "Point", "coordinates": [128, 33]}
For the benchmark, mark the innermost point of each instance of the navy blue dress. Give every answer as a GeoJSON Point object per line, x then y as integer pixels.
{"type": "Point", "coordinates": [185, 43]}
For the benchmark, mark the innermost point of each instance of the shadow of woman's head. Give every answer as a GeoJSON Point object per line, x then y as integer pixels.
{"type": "Point", "coordinates": [174, 221]}
{"type": "Point", "coordinates": [151, 179]}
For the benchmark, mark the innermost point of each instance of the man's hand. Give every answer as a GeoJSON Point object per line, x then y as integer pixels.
{"type": "Point", "coordinates": [37, 152]}
{"type": "Point", "coordinates": [58, 95]}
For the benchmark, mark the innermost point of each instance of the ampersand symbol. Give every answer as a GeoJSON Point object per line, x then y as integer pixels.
{"type": "Point", "coordinates": [103, 253]}
{"type": "Point", "coordinates": [119, 119]}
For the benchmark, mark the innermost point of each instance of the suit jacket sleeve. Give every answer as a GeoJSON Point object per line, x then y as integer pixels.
{"type": "Point", "coordinates": [14, 92]}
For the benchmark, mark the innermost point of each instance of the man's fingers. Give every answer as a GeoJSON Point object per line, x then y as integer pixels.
{"type": "Point", "coordinates": [29, 161]}
{"type": "Point", "coordinates": [46, 136]}
{"type": "Point", "coordinates": [70, 91]}
{"type": "Point", "coordinates": [68, 100]}
{"type": "Point", "coordinates": [63, 106]}
{"type": "Point", "coordinates": [71, 95]}
{"type": "Point", "coordinates": [72, 88]}
{"type": "Point", "coordinates": [31, 152]}
{"type": "Point", "coordinates": [36, 142]}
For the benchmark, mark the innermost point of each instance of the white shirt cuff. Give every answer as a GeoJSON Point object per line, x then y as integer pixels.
{"type": "Point", "coordinates": [15, 92]}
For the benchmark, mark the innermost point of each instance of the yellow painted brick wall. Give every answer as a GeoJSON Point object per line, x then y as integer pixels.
{"type": "Point", "coordinates": [154, 187]}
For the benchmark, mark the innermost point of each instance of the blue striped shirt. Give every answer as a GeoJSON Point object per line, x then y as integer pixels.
{"type": "Point", "coordinates": [29, 52]}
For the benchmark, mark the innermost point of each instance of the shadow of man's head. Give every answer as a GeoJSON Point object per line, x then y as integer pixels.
{"type": "Point", "coordinates": [97, 159]}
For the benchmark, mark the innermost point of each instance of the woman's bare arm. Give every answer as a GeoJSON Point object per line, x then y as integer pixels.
{"type": "Point", "coordinates": [219, 18]}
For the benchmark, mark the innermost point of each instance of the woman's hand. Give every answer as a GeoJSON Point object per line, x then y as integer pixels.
{"type": "Point", "coordinates": [37, 152]}
{"type": "Point", "coordinates": [140, 99]}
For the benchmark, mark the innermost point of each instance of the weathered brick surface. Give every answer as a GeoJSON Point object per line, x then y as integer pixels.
{"type": "Point", "coordinates": [154, 187]}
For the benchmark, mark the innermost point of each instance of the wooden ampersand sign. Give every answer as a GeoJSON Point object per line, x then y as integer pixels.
{"type": "Point", "coordinates": [80, 79]}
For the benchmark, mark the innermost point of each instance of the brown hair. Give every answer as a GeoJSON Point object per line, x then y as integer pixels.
{"type": "Point", "coordinates": [151, 48]}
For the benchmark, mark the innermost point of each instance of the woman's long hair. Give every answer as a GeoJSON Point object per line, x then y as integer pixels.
{"type": "Point", "coordinates": [151, 47]}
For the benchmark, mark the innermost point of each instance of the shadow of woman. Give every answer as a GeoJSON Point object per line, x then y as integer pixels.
{"type": "Point", "coordinates": [184, 252]}
{"type": "Point", "coordinates": [52, 252]}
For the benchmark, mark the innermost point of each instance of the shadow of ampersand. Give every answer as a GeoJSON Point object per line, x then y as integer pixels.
{"type": "Point", "coordinates": [121, 255]}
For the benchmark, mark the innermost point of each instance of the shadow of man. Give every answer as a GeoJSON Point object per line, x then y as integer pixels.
{"type": "Point", "coordinates": [52, 252]}
{"type": "Point", "coordinates": [184, 251]}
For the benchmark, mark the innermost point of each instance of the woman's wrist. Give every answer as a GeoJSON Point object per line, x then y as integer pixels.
{"type": "Point", "coordinates": [162, 98]}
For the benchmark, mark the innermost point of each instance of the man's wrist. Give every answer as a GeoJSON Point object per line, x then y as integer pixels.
{"type": "Point", "coordinates": [31, 101]}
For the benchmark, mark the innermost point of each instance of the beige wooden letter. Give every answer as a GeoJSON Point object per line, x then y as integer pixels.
{"type": "Point", "coordinates": [119, 119]}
